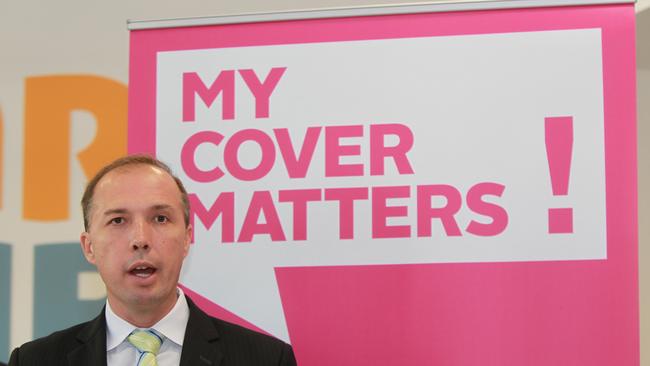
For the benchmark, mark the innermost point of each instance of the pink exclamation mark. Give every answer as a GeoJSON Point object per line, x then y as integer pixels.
{"type": "Point", "coordinates": [559, 146]}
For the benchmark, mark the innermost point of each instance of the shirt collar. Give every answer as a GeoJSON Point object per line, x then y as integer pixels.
{"type": "Point", "coordinates": [172, 325]}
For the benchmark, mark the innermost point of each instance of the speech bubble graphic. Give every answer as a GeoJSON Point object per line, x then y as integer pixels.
{"type": "Point", "coordinates": [398, 151]}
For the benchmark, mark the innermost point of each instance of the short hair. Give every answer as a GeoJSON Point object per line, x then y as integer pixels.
{"type": "Point", "coordinates": [129, 160]}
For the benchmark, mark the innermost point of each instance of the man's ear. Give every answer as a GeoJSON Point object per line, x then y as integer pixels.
{"type": "Point", "coordinates": [87, 247]}
{"type": "Point", "coordinates": [188, 240]}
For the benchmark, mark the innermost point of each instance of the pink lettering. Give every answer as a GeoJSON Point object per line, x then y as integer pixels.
{"type": "Point", "coordinates": [299, 199]}
{"type": "Point", "coordinates": [231, 158]}
{"type": "Point", "coordinates": [476, 203]}
{"type": "Point", "coordinates": [381, 212]}
{"type": "Point", "coordinates": [445, 213]}
{"type": "Point", "coordinates": [192, 85]}
{"type": "Point", "coordinates": [224, 205]}
{"type": "Point", "coordinates": [379, 151]}
{"type": "Point", "coordinates": [188, 153]}
{"type": "Point", "coordinates": [297, 166]}
{"type": "Point", "coordinates": [346, 198]}
{"type": "Point", "coordinates": [262, 91]}
{"type": "Point", "coordinates": [334, 150]}
{"type": "Point", "coordinates": [298, 158]}
{"type": "Point", "coordinates": [261, 204]}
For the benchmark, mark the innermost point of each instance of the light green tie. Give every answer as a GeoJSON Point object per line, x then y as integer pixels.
{"type": "Point", "coordinates": [148, 343]}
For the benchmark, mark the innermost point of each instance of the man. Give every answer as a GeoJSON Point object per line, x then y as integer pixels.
{"type": "Point", "coordinates": [137, 233]}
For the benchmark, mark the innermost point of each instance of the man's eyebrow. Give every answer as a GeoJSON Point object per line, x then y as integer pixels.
{"type": "Point", "coordinates": [162, 206]}
{"type": "Point", "coordinates": [115, 211]}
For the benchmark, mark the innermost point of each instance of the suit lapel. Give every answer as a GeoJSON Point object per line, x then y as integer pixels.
{"type": "Point", "coordinates": [92, 348]}
{"type": "Point", "coordinates": [200, 344]}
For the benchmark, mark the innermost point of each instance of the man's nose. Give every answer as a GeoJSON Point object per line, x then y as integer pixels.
{"type": "Point", "coordinates": [141, 235]}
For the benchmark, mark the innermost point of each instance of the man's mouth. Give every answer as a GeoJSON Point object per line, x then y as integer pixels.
{"type": "Point", "coordinates": [142, 271]}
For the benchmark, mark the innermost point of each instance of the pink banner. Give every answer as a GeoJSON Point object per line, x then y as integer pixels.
{"type": "Point", "coordinates": [550, 305]}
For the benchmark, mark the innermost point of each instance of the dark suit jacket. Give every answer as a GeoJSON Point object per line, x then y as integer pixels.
{"type": "Point", "coordinates": [208, 341]}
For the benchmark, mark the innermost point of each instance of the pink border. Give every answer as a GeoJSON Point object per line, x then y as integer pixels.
{"type": "Point", "coordinates": [586, 312]}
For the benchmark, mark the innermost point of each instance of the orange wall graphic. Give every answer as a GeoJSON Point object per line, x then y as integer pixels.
{"type": "Point", "coordinates": [49, 100]}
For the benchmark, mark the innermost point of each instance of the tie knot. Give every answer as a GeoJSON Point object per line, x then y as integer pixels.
{"type": "Point", "coordinates": [146, 341]}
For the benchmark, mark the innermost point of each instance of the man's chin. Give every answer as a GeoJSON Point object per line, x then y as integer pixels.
{"type": "Point", "coordinates": [153, 299]}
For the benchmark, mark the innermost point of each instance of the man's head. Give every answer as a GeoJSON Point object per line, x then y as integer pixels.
{"type": "Point", "coordinates": [137, 235]}
{"type": "Point", "coordinates": [86, 200]}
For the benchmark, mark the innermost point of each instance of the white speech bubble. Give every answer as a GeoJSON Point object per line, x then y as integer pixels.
{"type": "Point", "coordinates": [476, 105]}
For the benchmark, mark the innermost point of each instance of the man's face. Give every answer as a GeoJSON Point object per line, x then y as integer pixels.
{"type": "Point", "coordinates": [137, 238]}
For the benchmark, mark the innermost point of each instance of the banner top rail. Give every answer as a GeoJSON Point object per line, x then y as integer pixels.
{"type": "Point", "coordinates": [371, 10]}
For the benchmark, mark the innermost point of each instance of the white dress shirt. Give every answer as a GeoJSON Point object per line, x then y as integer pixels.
{"type": "Point", "coordinates": [120, 352]}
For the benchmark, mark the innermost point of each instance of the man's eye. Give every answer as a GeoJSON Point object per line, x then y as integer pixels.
{"type": "Point", "coordinates": [117, 220]}
{"type": "Point", "coordinates": [161, 219]}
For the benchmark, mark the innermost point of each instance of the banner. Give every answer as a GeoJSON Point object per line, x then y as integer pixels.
{"type": "Point", "coordinates": [448, 188]}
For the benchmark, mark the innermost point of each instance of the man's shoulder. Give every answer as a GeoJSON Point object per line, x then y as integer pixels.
{"type": "Point", "coordinates": [243, 346]}
{"type": "Point", "coordinates": [239, 345]}
{"type": "Point", "coordinates": [55, 346]}
{"type": "Point", "coordinates": [224, 329]}
{"type": "Point", "coordinates": [228, 330]}
{"type": "Point", "coordinates": [56, 339]}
